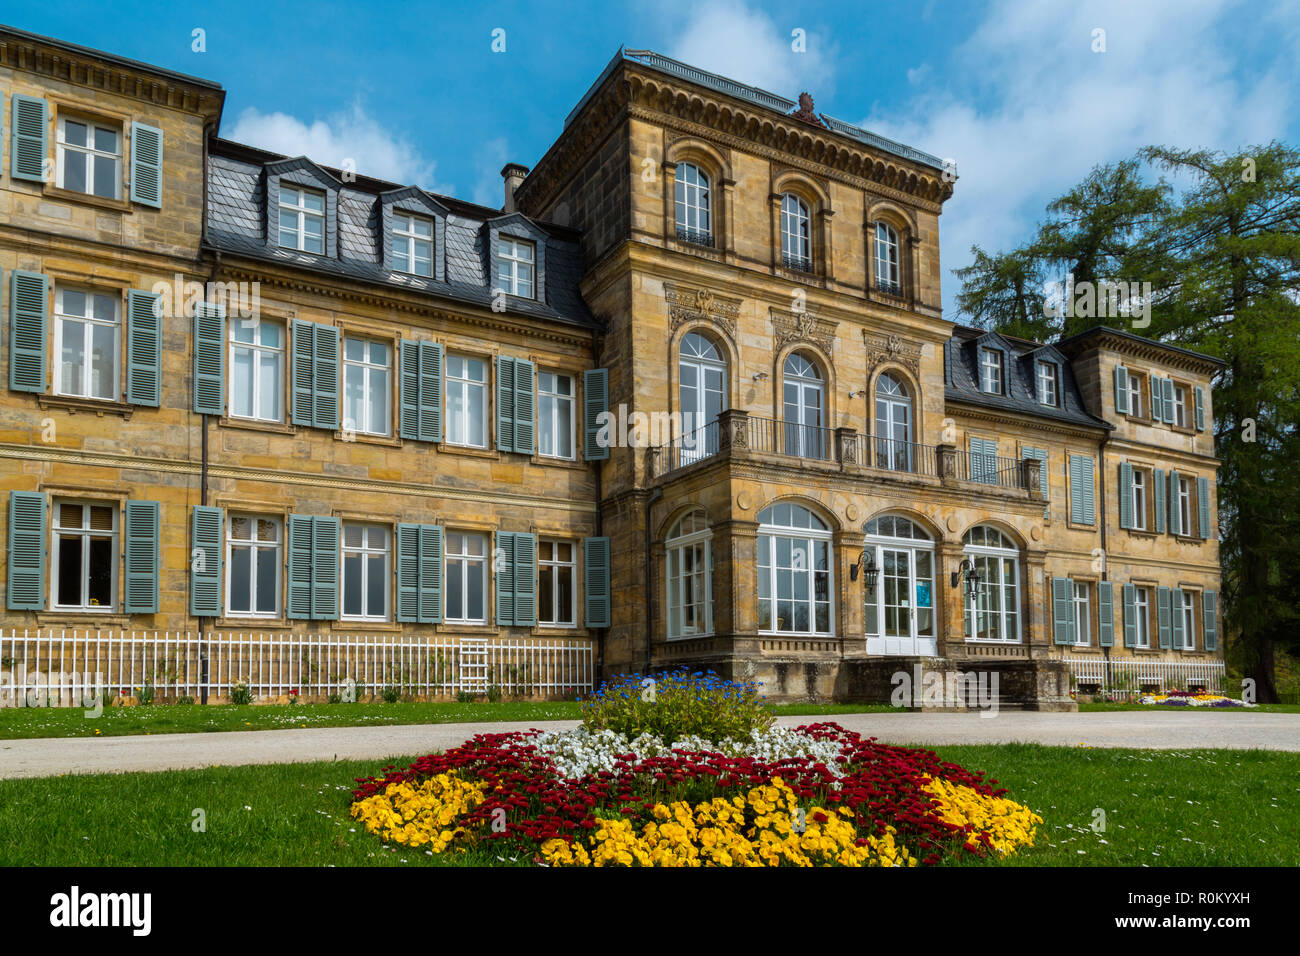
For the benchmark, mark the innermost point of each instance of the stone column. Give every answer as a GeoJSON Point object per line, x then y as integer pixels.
{"type": "Point", "coordinates": [827, 245]}
{"type": "Point", "coordinates": [1035, 629]}
{"type": "Point", "coordinates": [729, 219]}
{"type": "Point", "coordinates": [950, 602]}
{"type": "Point", "coordinates": [669, 203]}
{"type": "Point", "coordinates": [733, 433]}
{"type": "Point", "coordinates": [742, 594]}
{"type": "Point", "coordinates": [947, 461]}
{"type": "Point", "coordinates": [850, 622]}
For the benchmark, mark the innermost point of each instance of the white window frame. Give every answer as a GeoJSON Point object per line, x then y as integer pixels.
{"type": "Point", "coordinates": [990, 370]}
{"type": "Point", "coordinates": [369, 370]}
{"type": "Point", "coordinates": [299, 208]}
{"type": "Point", "coordinates": [767, 538]}
{"type": "Point", "coordinates": [85, 533]}
{"type": "Point", "coordinates": [408, 241]}
{"type": "Point", "coordinates": [796, 232]}
{"type": "Point", "coordinates": [467, 387]}
{"type": "Point", "coordinates": [88, 324]}
{"type": "Point", "coordinates": [876, 545]}
{"type": "Point", "coordinates": [888, 271]}
{"type": "Point", "coordinates": [549, 419]}
{"type": "Point", "coordinates": [467, 559]}
{"type": "Point", "coordinates": [1188, 611]}
{"type": "Point", "coordinates": [1003, 554]}
{"type": "Point", "coordinates": [1185, 506]}
{"type": "Point", "coordinates": [1180, 407]}
{"type": "Point", "coordinates": [520, 271]}
{"type": "Point", "coordinates": [698, 542]}
{"type": "Point", "coordinates": [555, 563]}
{"type": "Point", "coordinates": [1139, 499]}
{"type": "Point", "coordinates": [1142, 610]}
{"type": "Point", "coordinates": [692, 201]}
{"type": "Point", "coordinates": [255, 545]}
{"type": "Point", "coordinates": [260, 353]}
{"type": "Point", "coordinates": [1134, 396]}
{"type": "Point", "coordinates": [88, 154]}
{"type": "Point", "coordinates": [1081, 608]}
{"type": "Point", "coordinates": [365, 551]}
{"type": "Point", "coordinates": [1049, 385]}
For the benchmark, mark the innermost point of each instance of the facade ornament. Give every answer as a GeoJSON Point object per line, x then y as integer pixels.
{"type": "Point", "coordinates": [805, 113]}
{"type": "Point", "coordinates": [696, 305]}
{"type": "Point", "coordinates": [790, 327]}
{"type": "Point", "coordinates": [891, 348]}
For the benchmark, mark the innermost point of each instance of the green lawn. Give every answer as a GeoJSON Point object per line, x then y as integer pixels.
{"type": "Point", "coordinates": [1191, 808]}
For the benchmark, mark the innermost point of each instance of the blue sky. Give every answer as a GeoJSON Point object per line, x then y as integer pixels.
{"type": "Point", "coordinates": [1013, 91]}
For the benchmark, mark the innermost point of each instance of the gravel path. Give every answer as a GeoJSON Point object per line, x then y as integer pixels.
{"type": "Point", "coordinates": [52, 756]}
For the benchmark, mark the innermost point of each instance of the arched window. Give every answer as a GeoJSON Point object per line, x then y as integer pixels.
{"type": "Point", "coordinates": [690, 576]}
{"type": "Point", "coordinates": [804, 399]}
{"type": "Point", "coordinates": [900, 604]}
{"type": "Point", "coordinates": [993, 614]}
{"type": "Point", "coordinates": [694, 223]}
{"type": "Point", "coordinates": [887, 272]}
{"type": "Point", "coordinates": [796, 233]}
{"type": "Point", "coordinates": [893, 425]}
{"type": "Point", "coordinates": [702, 393]}
{"type": "Point", "coordinates": [794, 571]}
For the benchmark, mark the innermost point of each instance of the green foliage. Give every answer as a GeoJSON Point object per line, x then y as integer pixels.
{"type": "Point", "coordinates": [675, 704]}
{"type": "Point", "coordinates": [145, 695]}
{"type": "Point", "coordinates": [185, 700]}
{"type": "Point", "coordinates": [241, 693]}
{"type": "Point", "coordinates": [391, 693]}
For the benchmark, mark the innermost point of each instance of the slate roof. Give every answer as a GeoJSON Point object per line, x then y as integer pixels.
{"type": "Point", "coordinates": [961, 377]}
{"type": "Point", "coordinates": [236, 225]}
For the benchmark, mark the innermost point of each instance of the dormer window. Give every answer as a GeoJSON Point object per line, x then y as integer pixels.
{"type": "Point", "coordinates": [990, 371]}
{"type": "Point", "coordinates": [302, 219]}
{"type": "Point", "coordinates": [796, 233]}
{"type": "Point", "coordinates": [412, 244]}
{"type": "Point", "coordinates": [887, 274]}
{"type": "Point", "coordinates": [1049, 389]}
{"type": "Point", "coordinates": [515, 265]}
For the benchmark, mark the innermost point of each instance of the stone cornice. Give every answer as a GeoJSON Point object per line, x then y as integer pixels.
{"type": "Point", "coordinates": [1147, 350]}
{"type": "Point", "coordinates": [980, 413]}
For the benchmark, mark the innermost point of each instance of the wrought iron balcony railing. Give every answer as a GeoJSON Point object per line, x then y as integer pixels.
{"type": "Point", "coordinates": [696, 237]}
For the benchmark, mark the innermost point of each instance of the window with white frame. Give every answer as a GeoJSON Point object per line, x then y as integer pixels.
{"type": "Point", "coordinates": [466, 582]}
{"type": "Point", "coordinates": [257, 370]}
{"type": "Point", "coordinates": [689, 576]}
{"type": "Point", "coordinates": [1180, 406]}
{"type": "Point", "coordinates": [412, 244]}
{"type": "Point", "coordinates": [1142, 613]}
{"type": "Point", "coordinates": [1185, 505]}
{"type": "Point", "coordinates": [367, 386]}
{"type": "Point", "coordinates": [555, 415]}
{"type": "Point", "coordinates": [1139, 499]}
{"type": "Point", "coordinates": [991, 371]}
{"type": "Point", "coordinates": [993, 614]}
{"type": "Point", "coordinates": [1082, 608]}
{"type": "Point", "coordinates": [886, 256]}
{"type": "Point", "coordinates": [794, 571]}
{"type": "Point", "coordinates": [253, 566]}
{"type": "Point", "coordinates": [302, 219]}
{"type": "Point", "coordinates": [1187, 608]}
{"type": "Point", "coordinates": [366, 560]}
{"type": "Point", "coordinates": [516, 266]}
{"type": "Point", "coordinates": [466, 401]}
{"type": "Point", "coordinates": [90, 157]}
{"type": "Point", "coordinates": [1134, 395]}
{"type": "Point", "coordinates": [84, 563]}
{"type": "Point", "coordinates": [87, 341]}
{"type": "Point", "coordinates": [1049, 389]}
{"type": "Point", "coordinates": [557, 583]}
{"type": "Point", "coordinates": [691, 200]}
{"type": "Point", "coordinates": [796, 233]}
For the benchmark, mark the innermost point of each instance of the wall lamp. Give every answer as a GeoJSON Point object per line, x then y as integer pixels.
{"type": "Point", "coordinates": [860, 393]}
{"type": "Point", "coordinates": [966, 571]}
{"type": "Point", "coordinates": [760, 376]}
{"type": "Point", "coordinates": [866, 562]}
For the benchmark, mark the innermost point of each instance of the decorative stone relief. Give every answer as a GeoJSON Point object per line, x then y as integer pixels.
{"type": "Point", "coordinates": [691, 305]}
{"type": "Point", "coordinates": [891, 348]}
{"type": "Point", "coordinates": [792, 327]}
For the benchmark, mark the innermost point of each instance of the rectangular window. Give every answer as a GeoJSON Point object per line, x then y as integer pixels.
{"type": "Point", "coordinates": [366, 560]}
{"type": "Point", "coordinates": [1082, 614]}
{"type": "Point", "coordinates": [367, 386]}
{"type": "Point", "coordinates": [1048, 387]}
{"type": "Point", "coordinates": [257, 370]}
{"type": "Point", "coordinates": [1139, 500]}
{"type": "Point", "coordinates": [1180, 406]}
{"type": "Point", "coordinates": [515, 266]}
{"type": "Point", "coordinates": [1134, 395]}
{"type": "Point", "coordinates": [302, 219]}
{"type": "Point", "coordinates": [555, 414]}
{"type": "Point", "coordinates": [1187, 609]}
{"type": "Point", "coordinates": [1184, 505]}
{"type": "Point", "coordinates": [253, 566]}
{"type": "Point", "coordinates": [84, 562]}
{"type": "Point", "coordinates": [412, 244]}
{"type": "Point", "coordinates": [466, 401]}
{"type": "Point", "coordinates": [990, 371]}
{"type": "Point", "coordinates": [87, 340]}
{"type": "Point", "coordinates": [557, 582]}
{"type": "Point", "coordinates": [466, 578]}
{"type": "Point", "coordinates": [1142, 602]}
{"type": "Point", "coordinates": [90, 157]}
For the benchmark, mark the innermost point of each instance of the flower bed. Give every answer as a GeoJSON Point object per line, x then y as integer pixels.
{"type": "Point", "coordinates": [815, 796]}
{"type": "Point", "coordinates": [1182, 698]}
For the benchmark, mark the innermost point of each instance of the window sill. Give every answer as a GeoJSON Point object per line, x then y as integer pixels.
{"type": "Point", "coordinates": [549, 460]}
{"type": "Point", "coordinates": [364, 438]}
{"type": "Point", "coordinates": [695, 637]}
{"type": "Point", "coordinates": [354, 625]}
{"type": "Point", "coordinates": [84, 619]}
{"type": "Point", "coordinates": [996, 643]}
{"type": "Point", "coordinates": [470, 451]}
{"type": "Point", "coordinates": [791, 635]}
{"type": "Point", "coordinates": [254, 425]}
{"type": "Point", "coordinates": [469, 629]}
{"type": "Point", "coordinates": [1142, 532]}
{"type": "Point", "coordinates": [558, 630]}
{"type": "Point", "coordinates": [257, 623]}
{"type": "Point", "coordinates": [87, 199]}
{"type": "Point", "coordinates": [75, 403]}
{"type": "Point", "coordinates": [1079, 525]}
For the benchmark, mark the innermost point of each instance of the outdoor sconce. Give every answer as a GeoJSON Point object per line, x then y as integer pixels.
{"type": "Point", "coordinates": [860, 393]}
{"type": "Point", "coordinates": [967, 572]}
{"type": "Point", "coordinates": [866, 562]}
{"type": "Point", "coordinates": [760, 376]}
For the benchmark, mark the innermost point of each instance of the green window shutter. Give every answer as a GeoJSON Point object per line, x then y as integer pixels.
{"type": "Point", "coordinates": [146, 165]}
{"type": "Point", "coordinates": [1162, 616]}
{"type": "Point", "coordinates": [1200, 409]}
{"type": "Point", "coordinates": [1105, 614]}
{"type": "Point", "coordinates": [302, 405]}
{"type": "Point", "coordinates": [595, 581]}
{"type": "Point", "coordinates": [143, 348]}
{"type": "Point", "coordinates": [1121, 390]}
{"type": "Point", "coordinates": [431, 548]}
{"type": "Point", "coordinates": [325, 377]}
{"type": "Point", "coordinates": [142, 530]}
{"type": "Point", "coordinates": [1203, 507]}
{"type": "Point", "coordinates": [206, 527]}
{"type": "Point", "coordinates": [1210, 612]}
{"type": "Point", "coordinates": [505, 404]}
{"type": "Point", "coordinates": [325, 533]}
{"type": "Point", "coordinates": [26, 585]}
{"type": "Point", "coordinates": [984, 460]}
{"type": "Point", "coordinates": [1082, 501]}
{"type": "Point", "coordinates": [1157, 406]}
{"type": "Point", "coordinates": [595, 405]}
{"type": "Point", "coordinates": [503, 565]}
{"type": "Point", "coordinates": [525, 570]}
{"type": "Point", "coordinates": [408, 572]}
{"type": "Point", "coordinates": [298, 587]}
{"type": "Point", "coordinates": [1176, 607]}
{"type": "Point", "coordinates": [28, 310]}
{"type": "Point", "coordinates": [1167, 399]}
{"type": "Point", "coordinates": [27, 151]}
{"type": "Point", "coordinates": [209, 358]}
{"type": "Point", "coordinates": [1130, 616]}
{"type": "Point", "coordinates": [525, 400]}
{"type": "Point", "coordinates": [1175, 513]}
{"type": "Point", "coordinates": [420, 385]}
{"type": "Point", "coordinates": [408, 389]}
{"type": "Point", "coordinates": [1062, 611]}
{"type": "Point", "coordinates": [1125, 495]}
{"type": "Point", "coordinates": [1159, 487]}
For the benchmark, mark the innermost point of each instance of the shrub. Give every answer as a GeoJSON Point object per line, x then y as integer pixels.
{"type": "Point", "coordinates": [336, 698]}
{"type": "Point", "coordinates": [391, 693]}
{"type": "Point", "coordinates": [676, 704]}
{"type": "Point", "coordinates": [493, 693]}
{"type": "Point", "coordinates": [185, 700]}
{"type": "Point", "coordinates": [241, 693]}
{"type": "Point", "coordinates": [145, 694]}
{"type": "Point", "coordinates": [464, 697]}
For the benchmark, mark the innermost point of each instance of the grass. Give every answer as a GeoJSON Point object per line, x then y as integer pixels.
{"type": "Point", "coordinates": [1162, 808]}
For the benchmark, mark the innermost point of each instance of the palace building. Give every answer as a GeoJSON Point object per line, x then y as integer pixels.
{"type": "Point", "coordinates": [270, 423]}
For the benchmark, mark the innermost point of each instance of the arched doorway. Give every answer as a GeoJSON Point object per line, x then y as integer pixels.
{"type": "Point", "coordinates": [900, 607]}
{"type": "Point", "coordinates": [804, 399]}
{"type": "Point", "coordinates": [893, 424]}
{"type": "Point", "coordinates": [993, 614]}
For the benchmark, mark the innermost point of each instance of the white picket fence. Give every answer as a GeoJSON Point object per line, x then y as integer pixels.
{"type": "Point", "coordinates": [56, 667]}
{"type": "Point", "coordinates": [1139, 673]}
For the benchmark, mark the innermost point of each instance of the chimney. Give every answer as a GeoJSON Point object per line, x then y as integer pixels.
{"type": "Point", "coordinates": [514, 175]}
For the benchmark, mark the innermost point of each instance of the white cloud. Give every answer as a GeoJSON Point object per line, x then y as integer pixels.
{"type": "Point", "coordinates": [352, 135]}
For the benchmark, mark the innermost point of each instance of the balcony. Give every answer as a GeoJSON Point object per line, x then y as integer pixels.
{"type": "Point", "coordinates": [797, 263]}
{"type": "Point", "coordinates": [889, 288]}
{"type": "Point", "coordinates": [696, 237]}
